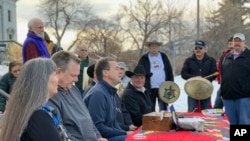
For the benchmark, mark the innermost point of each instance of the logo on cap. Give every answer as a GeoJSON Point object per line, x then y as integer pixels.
{"type": "Point", "coordinates": [200, 43]}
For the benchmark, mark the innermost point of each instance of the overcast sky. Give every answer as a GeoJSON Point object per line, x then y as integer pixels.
{"type": "Point", "coordinates": [27, 9]}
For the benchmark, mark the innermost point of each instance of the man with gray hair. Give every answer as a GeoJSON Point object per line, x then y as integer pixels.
{"type": "Point", "coordinates": [34, 45]}
{"type": "Point", "coordinates": [68, 102]}
{"type": "Point", "coordinates": [156, 62]}
{"type": "Point", "coordinates": [83, 55]}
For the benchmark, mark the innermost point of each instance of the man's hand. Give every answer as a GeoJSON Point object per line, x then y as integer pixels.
{"type": "Point", "coordinates": [129, 132]}
{"type": "Point", "coordinates": [102, 139]}
{"type": "Point", "coordinates": [132, 127]}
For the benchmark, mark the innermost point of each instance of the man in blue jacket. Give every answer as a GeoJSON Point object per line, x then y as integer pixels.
{"type": "Point", "coordinates": [101, 100]}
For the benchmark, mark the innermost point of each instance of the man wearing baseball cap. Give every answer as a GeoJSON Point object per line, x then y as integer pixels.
{"type": "Point", "coordinates": [199, 64]}
{"type": "Point", "coordinates": [235, 82]}
{"type": "Point", "coordinates": [240, 36]}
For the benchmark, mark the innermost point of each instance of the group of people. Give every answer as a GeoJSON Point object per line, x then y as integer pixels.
{"type": "Point", "coordinates": [66, 96]}
{"type": "Point", "coordinates": [37, 44]}
{"type": "Point", "coordinates": [233, 68]}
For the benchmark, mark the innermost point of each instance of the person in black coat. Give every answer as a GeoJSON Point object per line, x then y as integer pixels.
{"type": "Point", "coordinates": [135, 97]}
{"type": "Point", "coordinates": [157, 63]}
{"type": "Point", "coordinates": [235, 82]}
{"type": "Point", "coordinates": [199, 64]}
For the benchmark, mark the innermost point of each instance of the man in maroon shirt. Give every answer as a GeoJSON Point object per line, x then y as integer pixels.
{"type": "Point", "coordinates": [34, 45]}
{"type": "Point", "coordinates": [218, 101]}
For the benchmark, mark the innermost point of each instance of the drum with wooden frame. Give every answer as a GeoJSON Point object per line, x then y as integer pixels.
{"type": "Point", "coordinates": [198, 88]}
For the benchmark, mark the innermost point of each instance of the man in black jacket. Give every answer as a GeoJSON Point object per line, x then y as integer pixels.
{"type": "Point", "coordinates": [235, 82]}
{"type": "Point", "coordinates": [135, 97]}
{"type": "Point", "coordinates": [199, 64]}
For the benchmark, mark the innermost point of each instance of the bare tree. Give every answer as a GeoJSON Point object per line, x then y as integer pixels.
{"type": "Point", "coordinates": [102, 36]}
{"type": "Point", "coordinates": [142, 18]}
{"type": "Point", "coordinates": [61, 15]}
{"type": "Point", "coordinates": [13, 52]}
{"type": "Point", "coordinates": [229, 19]}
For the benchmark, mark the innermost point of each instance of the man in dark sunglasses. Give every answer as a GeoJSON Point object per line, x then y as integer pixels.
{"type": "Point", "coordinates": [199, 64]}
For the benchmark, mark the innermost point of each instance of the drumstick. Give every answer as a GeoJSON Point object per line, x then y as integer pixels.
{"type": "Point", "coordinates": [214, 74]}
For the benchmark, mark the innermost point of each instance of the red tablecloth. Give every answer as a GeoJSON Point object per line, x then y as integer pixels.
{"type": "Point", "coordinates": [216, 129]}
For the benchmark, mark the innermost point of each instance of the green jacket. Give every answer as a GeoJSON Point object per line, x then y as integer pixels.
{"type": "Point", "coordinates": [6, 83]}
{"type": "Point", "coordinates": [84, 63]}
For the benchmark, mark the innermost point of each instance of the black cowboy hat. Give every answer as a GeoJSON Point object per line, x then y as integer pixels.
{"type": "Point", "coordinates": [90, 70]}
{"type": "Point", "coordinates": [139, 70]}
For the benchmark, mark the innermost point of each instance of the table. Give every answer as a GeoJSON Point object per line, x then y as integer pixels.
{"type": "Point", "coordinates": [216, 129]}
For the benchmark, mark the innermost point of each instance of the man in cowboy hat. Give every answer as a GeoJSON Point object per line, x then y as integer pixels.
{"type": "Point", "coordinates": [135, 97]}
{"type": "Point", "coordinates": [158, 63]}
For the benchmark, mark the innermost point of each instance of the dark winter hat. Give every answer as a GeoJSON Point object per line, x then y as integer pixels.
{"type": "Point", "coordinates": [90, 70]}
{"type": "Point", "coordinates": [200, 43]}
{"type": "Point", "coordinates": [139, 70]}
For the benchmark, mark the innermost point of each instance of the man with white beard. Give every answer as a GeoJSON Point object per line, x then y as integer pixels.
{"type": "Point", "coordinates": [34, 45]}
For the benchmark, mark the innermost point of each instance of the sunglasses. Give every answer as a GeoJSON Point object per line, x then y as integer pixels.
{"type": "Point", "coordinates": [196, 48]}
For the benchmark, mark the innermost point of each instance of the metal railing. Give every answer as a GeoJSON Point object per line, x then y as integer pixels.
{"type": "Point", "coordinates": [10, 41]}
{"type": "Point", "coordinates": [3, 93]}
{"type": "Point", "coordinates": [6, 95]}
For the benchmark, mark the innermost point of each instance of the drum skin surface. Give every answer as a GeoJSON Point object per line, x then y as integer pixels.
{"type": "Point", "coordinates": [169, 92]}
{"type": "Point", "coordinates": [198, 88]}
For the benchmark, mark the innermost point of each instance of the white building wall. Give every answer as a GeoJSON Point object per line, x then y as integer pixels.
{"type": "Point", "coordinates": [8, 24]}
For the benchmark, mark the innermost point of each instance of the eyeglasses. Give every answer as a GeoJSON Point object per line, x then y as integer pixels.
{"type": "Point", "coordinates": [196, 48]}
